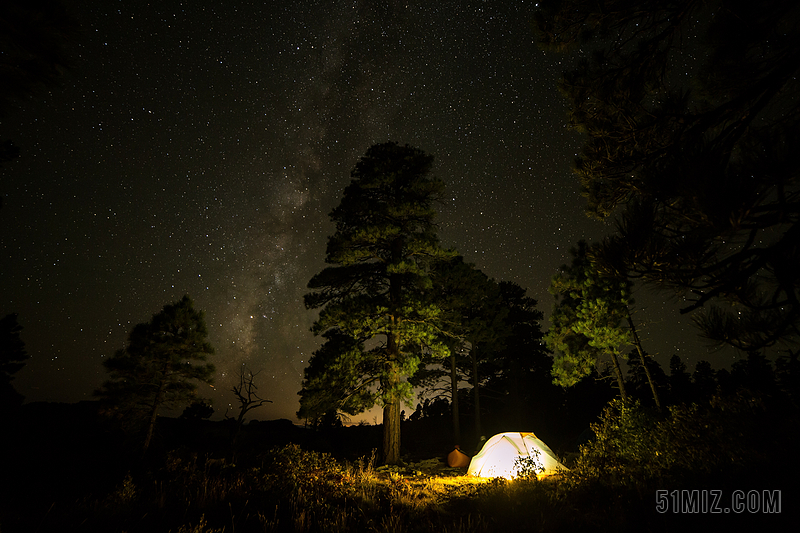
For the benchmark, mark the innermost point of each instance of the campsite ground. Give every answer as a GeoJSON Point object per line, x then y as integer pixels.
{"type": "Point", "coordinates": [67, 472]}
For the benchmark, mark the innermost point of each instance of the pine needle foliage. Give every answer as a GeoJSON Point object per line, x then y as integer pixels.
{"type": "Point", "coordinates": [587, 322]}
{"type": "Point", "coordinates": [160, 366]}
{"type": "Point", "coordinates": [690, 111]}
{"type": "Point", "coordinates": [376, 290]}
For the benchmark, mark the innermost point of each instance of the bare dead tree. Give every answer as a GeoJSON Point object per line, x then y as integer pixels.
{"type": "Point", "coordinates": [246, 393]}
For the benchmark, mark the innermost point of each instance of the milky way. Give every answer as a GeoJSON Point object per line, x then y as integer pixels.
{"type": "Point", "coordinates": [198, 149]}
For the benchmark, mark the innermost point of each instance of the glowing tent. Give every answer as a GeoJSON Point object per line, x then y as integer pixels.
{"type": "Point", "coordinates": [499, 456]}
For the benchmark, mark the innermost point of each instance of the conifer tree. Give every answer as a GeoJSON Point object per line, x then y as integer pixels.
{"type": "Point", "coordinates": [160, 366]}
{"type": "Point", "coordinates": [690, 110]}
{"type": "Point", "coordinates": [341, 376]}
{"type": "Point", "coordinates": [376, 290]}
{"type": "Point", "coordinates": [521, 362]}
{"type": "Point", "coordinates": [472, 318]}
{"type": "Point", "coordinates": [592, 318]}
{"type": "Point", "coordinates": [585, 322]}
{"type": "Point", "coordinates": [680, 381]}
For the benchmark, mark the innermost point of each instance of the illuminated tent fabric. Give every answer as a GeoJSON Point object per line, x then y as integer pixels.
{"type": "Point", "coordinates": [498, 456]}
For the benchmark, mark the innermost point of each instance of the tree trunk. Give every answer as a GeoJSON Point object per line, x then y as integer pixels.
{"type": "Point", "coordinates": [391, 381]}
{"type": "Point", "coordinates": [153, 416]}
{"type": "Point", "coordinates": [391, 433]}
{"type": "Point", "coordinates": [476, 393]}
{"type": "Point", "coordinates": [638, 344]}
{"type": "Point", "coordinates": [239, 424]}
{"type": "Point", "coordinates": [620, 381]}
{"type": "Point", "coordinates": [391, 418]}
{"type": "Point", "coordinates": [454, 400]}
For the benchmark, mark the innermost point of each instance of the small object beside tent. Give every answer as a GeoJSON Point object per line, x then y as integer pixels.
{"type": "Point", "coordinates": [457, 458]}
{"type": "Point", "coordinates": [500, 456]}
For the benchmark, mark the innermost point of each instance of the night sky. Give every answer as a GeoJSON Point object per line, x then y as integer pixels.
{"type": "Point", "coordinates": [198, 147]}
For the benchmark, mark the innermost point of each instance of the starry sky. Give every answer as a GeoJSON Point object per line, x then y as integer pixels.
{"type": "Point", "coordinates": [197, 148]}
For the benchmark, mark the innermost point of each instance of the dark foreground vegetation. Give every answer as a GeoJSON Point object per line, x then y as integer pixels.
{"type": "Point", "coordinates": [69, 470]}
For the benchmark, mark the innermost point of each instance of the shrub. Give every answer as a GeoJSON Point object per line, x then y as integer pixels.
{"type": "Point", "coordinates": [292, 468]}
{"type": "Point", "coordinates": [637, 447]}
{"type": "Point", "coordinates": [529, 466]}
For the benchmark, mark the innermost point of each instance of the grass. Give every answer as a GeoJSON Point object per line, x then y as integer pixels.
{"type": "Point", "coordinates": [299, 491]}
{"type": "Point", "coordinates": [611, 485]}
{"type": "Point", "coordinates": [290, 489]}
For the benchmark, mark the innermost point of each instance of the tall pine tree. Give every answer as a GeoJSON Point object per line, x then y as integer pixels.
{"type": "Point", "coordinates": [160, 366]}
{"type": "Point", "coordinates": [375, 292]}
{"type": "Point", "coordinates": [592, 317]}
{"type": "Point", "coordinates": [586, 322]}
{"type": "Point", "coordinates": [472, 316]}
{"type": "Point", "coordinates": [520, 377]}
